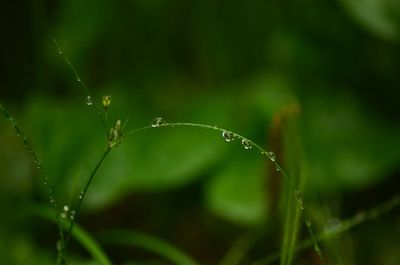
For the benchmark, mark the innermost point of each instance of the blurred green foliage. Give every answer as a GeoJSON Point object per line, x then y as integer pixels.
{"type": "Point", "coordinates": [238, 65]}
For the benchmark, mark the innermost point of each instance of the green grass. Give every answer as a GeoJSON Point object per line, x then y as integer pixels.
{"type": "Point", "coordinates": [295, 214]}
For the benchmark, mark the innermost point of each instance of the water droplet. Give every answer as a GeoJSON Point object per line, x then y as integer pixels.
{"type": "Point", "coordinates": [81, 196]}
{"type": "Point", "coordinates": [72, 215]}
{"type": "Point", "coordinates": [59, 245]}
{"type": "Point", "coordinates": [277, 168]}
{"type": "Point", "coordinates": [52, 200]}
{"type": "Point", "coordinates": [89, 101]}
{"type": "Point", "coordinates": [228, 136]}
{"type": "Point", "coordinates": [246, 144]}
{"type": "Point", "coordinates": [308, 223]}
{"type": "Point", "coordinates": [157, 122]}
{"type": "Point", "coordinates": [60, 52]}
{"type": "Point", "coordinates": [64, 212]}
{"type": "Point", "coordinates": [272, 156]}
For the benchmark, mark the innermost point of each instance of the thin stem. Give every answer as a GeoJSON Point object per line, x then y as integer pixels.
{"type": "Point", "coordinates": [297, 194]}
{"type": "Point", "coordinates": [37, 163]}
{"type": "Point", "coordinates": [344, 226]}
{"type": "Point", "coordinates": [83, 85]}
{"type": "Point", "coordinates": [83, 193]}
{"type": "Point", "coordinates": [270, 155]}
{"type": "Point", "coordinates": [103, 120]}
{"type": "Point", "coordinates": [238, 250]}
{"type": "Point", "coordinates": [216, 128]}
{"type": "Point", "coordinates": [314, 240]}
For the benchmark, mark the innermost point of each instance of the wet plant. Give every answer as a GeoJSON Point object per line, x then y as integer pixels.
{"type": "Point", "coordinates": [66, 216]}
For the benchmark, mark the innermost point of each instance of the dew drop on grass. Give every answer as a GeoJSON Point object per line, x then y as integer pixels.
{"type": "Point", "coordinates": [157, 122]}
{"type": "Point", "coordinates": [64, 212]}
{"type": "Point", "coordinates": [272, 156]}
{"type": "Point", "coordinates": [228, 136]}
{"type": "Point", "coordinates": [89, 101]}
{"type": "Point", "coordinates": [246, 144]}
{"type": "Point", "coordinates": [72, 215]}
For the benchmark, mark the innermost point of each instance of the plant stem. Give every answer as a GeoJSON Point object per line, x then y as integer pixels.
{"type": "Point", "coordinates": [83, 193]}
{"type": "Point", "coordinates": [37, 163]}
{"type": "Point", "coordinates": [83, 85]}
{"type": "Point", "coordinates": [296, 194]}
{"type": "Point", "coordinates": [345, 225]}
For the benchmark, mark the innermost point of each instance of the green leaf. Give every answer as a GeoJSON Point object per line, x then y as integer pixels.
{"type": "Point", "coordinates": [238, 192]}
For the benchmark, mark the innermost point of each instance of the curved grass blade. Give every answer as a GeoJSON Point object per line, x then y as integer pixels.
{"type": "Point", "coordinates": [149, 243]}
{"type": "Point", "coordinates": [78, 233]}
{"type": "Point", "coordinates": [249, 144]}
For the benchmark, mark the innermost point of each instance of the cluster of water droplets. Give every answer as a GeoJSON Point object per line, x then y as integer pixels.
{"type": "Point", "coordinates": [230, 136]}
{"type": "Point", "coordinates": [157, 122]}
{"type": "Point", "coordinates": [247, 144]}
{"type": "Point", "coordinates": [67, 213]}
{"type": "Point", "coordinates": [89, 101]}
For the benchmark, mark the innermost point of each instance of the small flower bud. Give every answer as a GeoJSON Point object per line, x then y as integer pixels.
{"type": "Point", "coordinates": [106, 101]}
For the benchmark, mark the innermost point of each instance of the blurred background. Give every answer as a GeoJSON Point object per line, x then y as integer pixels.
{"type": "Point", "coordinates": [317, 82]}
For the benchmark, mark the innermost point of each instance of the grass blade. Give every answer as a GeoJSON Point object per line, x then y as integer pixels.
{"type": "Point", "coordinates": [78, 233]}
{"type": "Point", "coordinates": [149, 243]}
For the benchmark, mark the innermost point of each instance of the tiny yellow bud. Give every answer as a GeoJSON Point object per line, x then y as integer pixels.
{"type": "Point", "coordinates": [106, 101]}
